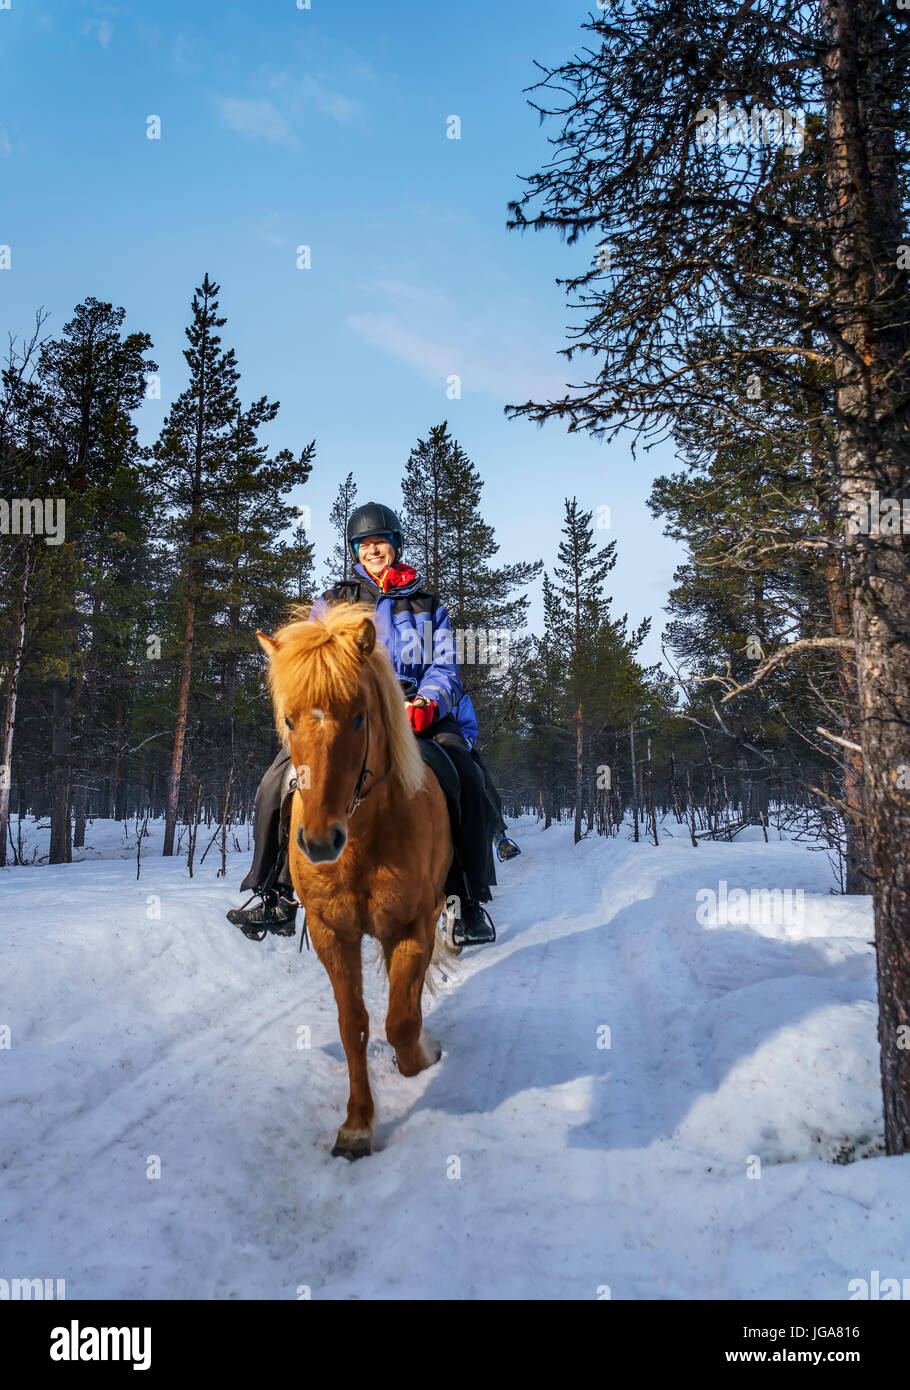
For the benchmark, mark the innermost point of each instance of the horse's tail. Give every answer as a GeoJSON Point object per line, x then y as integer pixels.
{"type": "Point", "coordinates": [443, 960]}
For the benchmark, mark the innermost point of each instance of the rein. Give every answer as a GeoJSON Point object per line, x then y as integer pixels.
{"type": "Point", "coordinates": [358, 795]}
{"type": "Point", "coordinates": [365, 772]}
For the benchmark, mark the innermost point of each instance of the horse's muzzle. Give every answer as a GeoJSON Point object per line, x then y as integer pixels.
{"type": "Point", "coordinates": [324, 851]}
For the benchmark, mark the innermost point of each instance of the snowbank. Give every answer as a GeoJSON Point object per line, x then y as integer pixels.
{"type": "Point", "coordinates": [638, 1090]}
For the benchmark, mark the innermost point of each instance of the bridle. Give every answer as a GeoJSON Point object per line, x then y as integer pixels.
{"type": "Point", "coordinates": [358, 795]}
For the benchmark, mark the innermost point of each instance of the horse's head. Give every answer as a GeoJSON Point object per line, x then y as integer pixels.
{"type": "Point", "coordinates": [339, 708]}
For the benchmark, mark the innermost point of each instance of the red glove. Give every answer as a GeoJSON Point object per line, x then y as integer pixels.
{"type": "Point", "coordinates": [422, 716]}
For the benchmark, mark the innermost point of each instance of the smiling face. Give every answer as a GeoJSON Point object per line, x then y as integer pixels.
{"type": "Point", "coordinates": [376, 553]}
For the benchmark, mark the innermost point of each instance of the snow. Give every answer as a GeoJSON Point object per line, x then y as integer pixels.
{"type": "Point", "coordinates": [533, 1161]}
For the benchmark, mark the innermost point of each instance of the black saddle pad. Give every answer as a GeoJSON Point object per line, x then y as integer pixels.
{"type": "Point", "coordinates": [446, 773]}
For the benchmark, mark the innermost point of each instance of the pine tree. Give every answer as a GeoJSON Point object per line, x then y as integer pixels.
{"type": "Point", "coordinates": [581, 612]}
{"type": "Point", "coordinates": [424, 489]}
{"type": "Point", "coordinates": [237, 561]}
{"type": "Point", "coordinates": [91, 380]}
{"type": "Point", "coordinates": [632, 165]}
{"type": "Point", "coordinates": [448, 540]}
{"type": "Point", "coordinates": [548, 713]}
{"type": "Point", "coordinates": [303, 573]}
{"type": "Point", "coordinates": [250, 575]}
{"type": "Point", "coordinates": [20, 453]}
{"type": "Point", "coordinates": [339, 564]}
{"type": "Point", "coordinates": [193, 452]}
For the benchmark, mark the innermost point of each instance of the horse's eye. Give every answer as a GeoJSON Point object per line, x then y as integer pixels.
{"type": "Point", "coordinates": [358, 722]}
{"type": "Point", "coordinates": [289, 724]}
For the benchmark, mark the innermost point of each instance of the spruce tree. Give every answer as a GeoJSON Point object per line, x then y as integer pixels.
{"type": "Point", "coordinates": [452, 545]}
{"type": "Point", "coordinates": [643, 161]}
{"type": "Point", "coordinates": [339, 565]}
{"type": "Point", "coordinates": [193, 453]}
{"type": "Point", "coordinates": [92, 379]}
{"type": "Point", "coordinates": [424, 489]}
{"type": "Point", "coordinates": [597, 650]}
{"type": "Point", "coordinates": [236, 562]}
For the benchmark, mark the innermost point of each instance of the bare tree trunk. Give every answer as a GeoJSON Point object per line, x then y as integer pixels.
{"type": "Point", "coordinates": [61, 849]}
{"type": "Point", "coordinates": [691, 810]}
{"type": "Point", "coordinates": [873, 454]}
{"type": "Point", "coordinates": [79, 801]}
{"type": "Point", "coordinates": [579, 768]}
{"type": "Point", "coordinates": [634, 778]}
{"type": "Point", "coordinates": [651, 812]}
{"type": "Point", "coordinates": [183, 698]}
{"type": "Point", "coordinates": [12, 692]}
{"type": "Point", "coordinates": [859, 871]}
{"type": "Point", "coordinates": [224, 824]}
{"type": "Point", "coordinates": [193, 828]}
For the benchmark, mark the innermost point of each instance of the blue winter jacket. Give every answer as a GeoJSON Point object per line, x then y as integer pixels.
{"type": "Point", "coordinates": [415, 628]}
{"type": "Point", "coordinates": [466, 718]}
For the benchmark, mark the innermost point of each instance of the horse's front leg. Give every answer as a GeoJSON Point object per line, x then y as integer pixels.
{"type": "Point", "coordinates": [342, 959]}
{"type": "Point", "coordinates": [407, 959]}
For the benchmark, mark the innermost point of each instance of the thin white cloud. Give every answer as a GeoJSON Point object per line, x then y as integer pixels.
{"type": "Point", "coordinates": [6, 148]}
{"type": "Point", "coordinates": [341, 108]}
{"type": "Point", "coordinates": [291, 96]}
{"type": "Point", "coordinates": [487, 345]}
{"type": "Point", "coordinates": [256, 119]}
{"type": "Point", "coordinates": [269, 228]}
{"type": "Point", "coordinates": [184, 53]}
{"type": "Point", "coordinates": [387, 333]}
{"type": "Point", "coordinates": [102, 29]}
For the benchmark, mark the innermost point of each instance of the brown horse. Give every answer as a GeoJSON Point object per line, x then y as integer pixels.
{"type": "Point", "coordinates": [370, 842]}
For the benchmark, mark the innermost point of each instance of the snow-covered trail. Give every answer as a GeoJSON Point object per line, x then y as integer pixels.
{"type": "Point", "coordinates": [530, 1162]}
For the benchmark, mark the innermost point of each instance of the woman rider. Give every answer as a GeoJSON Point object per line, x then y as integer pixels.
{"type": "Point", "coordinates": [417, 633]}
{"type": "Point", "coordinates": [466, 719]}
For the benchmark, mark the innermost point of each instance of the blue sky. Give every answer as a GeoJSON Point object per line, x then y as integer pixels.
{"type": "Point", "coordinates": [325, 127]}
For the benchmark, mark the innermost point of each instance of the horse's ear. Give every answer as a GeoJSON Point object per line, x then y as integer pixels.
{"type": "Point", "coordinates": [268, 644]}
{"type": "Point", "coordinates": [366, 637]}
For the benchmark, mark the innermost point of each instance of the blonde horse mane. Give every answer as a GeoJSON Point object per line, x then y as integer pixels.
{"type": "Point", "coordinates": [317, 662]}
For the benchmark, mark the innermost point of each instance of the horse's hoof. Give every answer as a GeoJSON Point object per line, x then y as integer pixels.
{"type": "Point", "coordinates": [352, 1144]}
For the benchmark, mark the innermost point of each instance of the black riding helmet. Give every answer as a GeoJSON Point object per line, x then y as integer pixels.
{"type": "Point", "coordinates": [373, 519]}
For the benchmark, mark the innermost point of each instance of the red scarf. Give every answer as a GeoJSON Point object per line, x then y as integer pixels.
{"type": "Point", "coordinates": [393, 576]}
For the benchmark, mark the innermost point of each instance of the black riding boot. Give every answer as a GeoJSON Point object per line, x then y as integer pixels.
{"type": "Point", "coordinates": [267, 878]}
{"type": "Point", "coordinates": [474, 837]}
{"type": "Point", "coordinates": [474, 927]}
{"type": "Point", "coordinates": [275, 913]}
{"type": "Point", "coordinates": [473, 840]}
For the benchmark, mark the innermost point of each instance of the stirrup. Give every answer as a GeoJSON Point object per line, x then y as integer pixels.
{"type": "Point", "coordinates": [502, 838]}
{"type": "Point", "coordinates": [459, 938]}
{"type": "Point", "coordinates": [238, 917]}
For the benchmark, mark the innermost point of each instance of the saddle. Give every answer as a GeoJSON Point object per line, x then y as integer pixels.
{"type": "Point", "coordinates": [446, 774]}
{"type": "Point", "coordinates": [436, 759]}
